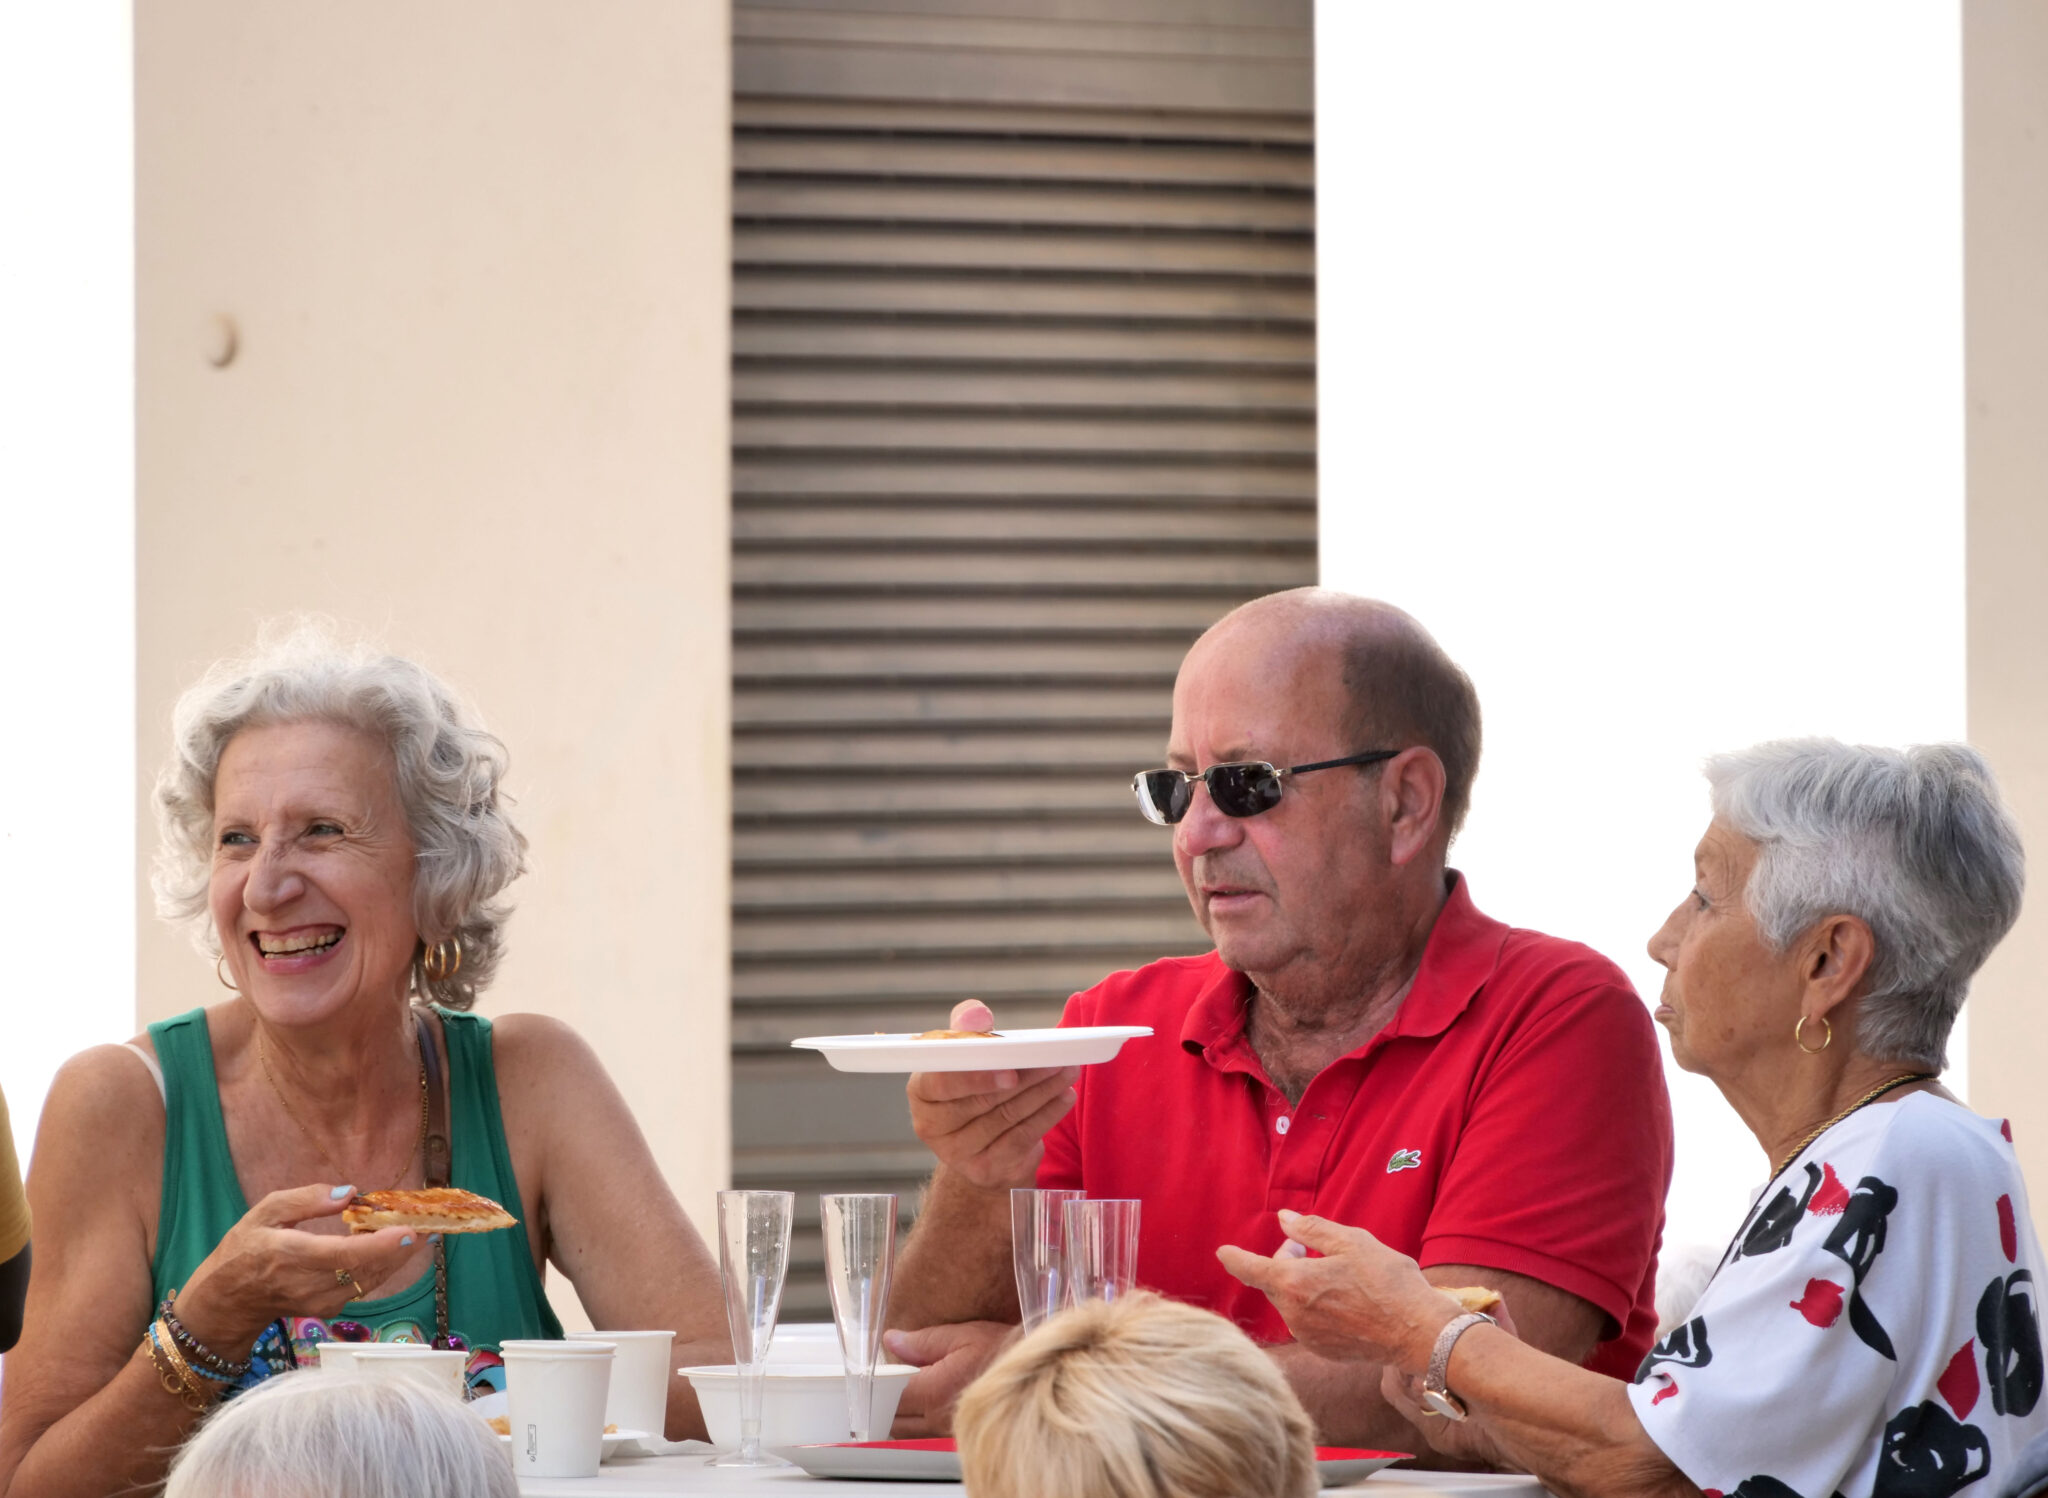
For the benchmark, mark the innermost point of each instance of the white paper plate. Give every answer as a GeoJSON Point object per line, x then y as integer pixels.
{"type": "Point", "coordinates": [1078, 1045]}
{"type": "Point", "coordinates": [938, 1460]}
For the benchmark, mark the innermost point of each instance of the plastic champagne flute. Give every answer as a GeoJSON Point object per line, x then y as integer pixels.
{"type": "Point", "coordinates": [1102, 1247]}
{"type": "Point", "coordinates": [1038, 1250]}
{"type": "Point", "coordinates": [860, 1245]}
{"type": "Point", "coordinates": [753, 1258]}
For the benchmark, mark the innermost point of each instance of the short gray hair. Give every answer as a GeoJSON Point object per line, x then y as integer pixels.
{"type": "Point", "coordinates": [342, 1437]}
{"type": "Point", "coordinates": [1916, 843]}
{"type": "Point", "coordinates": [448, 771]}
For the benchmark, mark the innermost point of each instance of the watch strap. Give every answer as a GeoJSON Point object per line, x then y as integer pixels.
{"type": "Point", "coordinates": [1440, 1355]}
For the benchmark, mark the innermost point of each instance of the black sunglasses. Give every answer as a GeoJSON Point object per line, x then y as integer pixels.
{"type": "Point", "coordinates": [1239, 790]}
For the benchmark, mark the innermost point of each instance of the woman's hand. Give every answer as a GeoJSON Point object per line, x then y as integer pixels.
{"type": "Point", "coordinates": [1360, 1301]}
{"type": "Point", "coordinates": [1466, 1440]}
{"type": "Point", "coordinates": [265, 1268]}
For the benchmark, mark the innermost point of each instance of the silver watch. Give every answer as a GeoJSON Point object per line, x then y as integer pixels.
{"type": "Point", "coordinates": [1439, 1399]}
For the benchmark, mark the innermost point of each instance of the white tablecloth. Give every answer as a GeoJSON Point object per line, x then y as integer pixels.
{"type": "Point", "coordinates": [686, 1476]}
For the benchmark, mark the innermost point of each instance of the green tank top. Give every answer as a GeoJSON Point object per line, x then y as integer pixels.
{"type": "Point", "coordinates": [494, 1290]}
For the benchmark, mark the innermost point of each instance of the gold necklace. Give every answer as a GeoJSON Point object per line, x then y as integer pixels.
{"type": "Point", "coordinates": [419, 1141]}
{"type": "Point", "coordinates": [1863, 1102]}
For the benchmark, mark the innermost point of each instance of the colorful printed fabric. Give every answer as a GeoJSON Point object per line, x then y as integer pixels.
{"type": "Point", "coordinates": [1875, 1327]}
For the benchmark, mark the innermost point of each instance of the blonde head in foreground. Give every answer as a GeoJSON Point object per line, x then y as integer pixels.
{"type": "Point", "coordinates": [1137, 1398]}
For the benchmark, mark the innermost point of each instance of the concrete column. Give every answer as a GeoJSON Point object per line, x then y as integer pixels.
{"type": "Point", "coordinates": [433, 338]}
{"type": "Point", "coordinates": [2005, 177]}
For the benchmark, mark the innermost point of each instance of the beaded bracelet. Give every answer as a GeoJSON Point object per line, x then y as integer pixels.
{"type": "Point", "coordinates": [171, 1369]}
{"type": "Point", "coordinates": [206, 1362]}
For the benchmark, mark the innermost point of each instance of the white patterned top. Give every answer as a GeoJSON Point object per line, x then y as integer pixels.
{"type": "Point", "coordinates": [1875, 1328]}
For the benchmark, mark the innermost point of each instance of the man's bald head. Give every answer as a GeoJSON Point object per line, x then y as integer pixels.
{"type": "Point", "coordinates": [1401, 686]}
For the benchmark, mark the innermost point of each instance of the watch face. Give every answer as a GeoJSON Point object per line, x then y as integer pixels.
{"type": "Point", "coordinates": [1443, 1403]}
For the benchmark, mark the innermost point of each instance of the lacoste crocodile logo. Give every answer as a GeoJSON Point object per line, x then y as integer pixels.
{"type": "Point", "coordinates": [1405, 1160]}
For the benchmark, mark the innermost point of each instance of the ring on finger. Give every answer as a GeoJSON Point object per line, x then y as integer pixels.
{"type": "Point", "coordinates": [347, 1277]}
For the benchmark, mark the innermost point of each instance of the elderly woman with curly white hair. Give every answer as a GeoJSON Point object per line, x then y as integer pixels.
{"type": "Point", "coordinates": [1873, 1326]}
{"type": "Point", "coordinates": [334, 827]}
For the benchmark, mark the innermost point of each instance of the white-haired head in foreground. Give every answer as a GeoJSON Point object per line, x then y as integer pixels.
{"type": "Point", "coordinates": [315, 1435]}
{"type": "Point", "coordinates": [1138, 1397]}
{"type": "Point", "coordinates": [447, 768]}
{"type": "Point", "coordinates": [1916, 843]}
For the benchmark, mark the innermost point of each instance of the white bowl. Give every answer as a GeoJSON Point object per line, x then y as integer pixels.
{"type": "Point", "coordinates": [803, 1404]}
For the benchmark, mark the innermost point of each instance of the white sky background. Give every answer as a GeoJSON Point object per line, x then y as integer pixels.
{"type": "Point", "coordinates": [1640, 344]}
{"type": "Point", "coordinates": [67, 540]}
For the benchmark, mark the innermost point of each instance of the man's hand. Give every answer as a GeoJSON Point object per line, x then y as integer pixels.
{"type": "Point", "coordinates": [989, 1126]}
{"type": "Point", "coordinates": [1360, 1301]}
{"type": "Point", "coordinates": [950, 1358]}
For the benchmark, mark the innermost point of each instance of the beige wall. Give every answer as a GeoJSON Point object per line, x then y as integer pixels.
{"type": "Point", "coordinates": [2005, 179]}
{"type": "Point", "coordinates": [476, 257]}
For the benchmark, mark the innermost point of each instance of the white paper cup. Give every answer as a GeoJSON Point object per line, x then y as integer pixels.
{"type": "Point", "coordinates": [337, 1357]}
{"type": "Point", "coordinates": [554, 1397]}
{"type": "Point", "coordinates": [639, 1397]}
{"type": "Point", "coordinates": [439, 1369]}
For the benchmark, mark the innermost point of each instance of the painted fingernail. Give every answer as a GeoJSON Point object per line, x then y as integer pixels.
{"type": "Point", "coordinates": [340, 1191]}
{"type": "Point", "coordinates": [431, 1238]}
{"type": "Point", "coordinates": [406, 1241]}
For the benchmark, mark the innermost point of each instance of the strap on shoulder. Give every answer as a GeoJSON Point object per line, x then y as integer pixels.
{"type": "Point", "coordinates": [437, 1152]}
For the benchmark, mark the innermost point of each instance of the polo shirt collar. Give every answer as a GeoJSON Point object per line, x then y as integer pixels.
{"type": "Point", "coordinates": [1462, 953]}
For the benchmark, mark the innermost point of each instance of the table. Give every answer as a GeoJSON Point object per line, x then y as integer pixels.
{"type": "Point", "coordinates": [684, 1475]}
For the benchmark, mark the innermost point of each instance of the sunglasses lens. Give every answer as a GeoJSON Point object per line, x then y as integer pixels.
{"type": "Point", "coordinates": [1163, 795]}
{"type": "Point", "coordinates": [1244, 790]}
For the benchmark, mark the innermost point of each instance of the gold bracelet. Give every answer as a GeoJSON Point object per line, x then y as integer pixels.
{"type": "Point", "coordinates": [172, 1369]}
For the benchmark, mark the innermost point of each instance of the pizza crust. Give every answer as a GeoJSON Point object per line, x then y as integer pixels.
{"type": "Point", "coordinates": [1473, 1297]}
{"type": "Point", "coordinates": [434, 1209]}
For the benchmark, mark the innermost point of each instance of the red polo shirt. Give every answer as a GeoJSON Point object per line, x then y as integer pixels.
{"type": "Point", "coordinates": [1512, 1114]}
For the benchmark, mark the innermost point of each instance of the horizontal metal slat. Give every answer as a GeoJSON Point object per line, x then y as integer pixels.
{"type": "Point", "coordinates": [900, 202]}
{"type": "Point", "coordinates": [962, 476]}
{"type": "Point", "coordinates": [966, 294]}
{"type": "Point", "coordinates": [756, 112]}
{"type": "Point", "coordinates": [915, 750]}
{"type": "Point", "coordinates": [1000, 247]}
{"type": "Point", "coordinates": [842, 69]}
{"type": "Point", "coordinates": [1256, 573]}
{"type": "Point", "coordinates": [907, 659]}
{"type": "Point", "coordinates": [774, 798]}
{"type": "Point", "coordinates": [1160, 35]}
{"type": "Point", "coordinates": [1123, 347]}
{"type": "Point", "coordinates": [892, 432]}
{"type": "Point", "coordinates": [992, 524]}
{"type": "Point", "coordinates": [969, 158]}
{"type": "Point", "coordinates": [874, 936]}
{"type": "Point", "coordinates": [771, 1031]}
{"type": "Point", "coordinates": [1150, 878]}
{"type": "Point", "coordinates": [940, 978]}
{"type": "Point", "coordinates": [1133, 616]}
{"type": "Point", "coordinates": [759, 849]}
{"type": "Point", "coordinates": [938, 387]}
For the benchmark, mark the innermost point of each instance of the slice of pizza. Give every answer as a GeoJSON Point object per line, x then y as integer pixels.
{"type": "Point", "coordinates": [436, 1209]}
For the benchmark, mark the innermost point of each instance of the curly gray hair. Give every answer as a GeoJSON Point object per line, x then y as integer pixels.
{"type": "Point", "coordinates": [449, 771]}
{"type": "Point", "coordinates": [1915, 842]}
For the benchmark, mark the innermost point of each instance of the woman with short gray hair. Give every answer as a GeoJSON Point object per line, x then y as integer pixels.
{"type": "Point", "coordinates": [305, 1436]}
{"type": "Point", "coordinates": [337, 839]}
{"type": "Point", "coordinates": [1873, 1326]}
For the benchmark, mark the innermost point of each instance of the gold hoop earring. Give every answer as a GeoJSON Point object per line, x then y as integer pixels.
{"type": "Point", "coordinates": [220, 972]}
{"type": "Point", "coordinates": [1798, 1036]}
{"type": "Point", "coordinates": [443, 960]}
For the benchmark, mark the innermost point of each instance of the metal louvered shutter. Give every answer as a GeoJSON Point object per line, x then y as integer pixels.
{"type": "Point", "coordinates": [1023, 399]}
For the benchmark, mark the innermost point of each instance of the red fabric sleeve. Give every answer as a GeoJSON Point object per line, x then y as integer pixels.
{"type": "Point", "coordinates": [1565, 1159]}
{"type": "Point", "coordinates": [1060, 1167]}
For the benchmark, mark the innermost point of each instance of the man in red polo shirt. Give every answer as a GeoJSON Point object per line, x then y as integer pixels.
{"type": "Point", "coordinates": [1363, 1044]}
